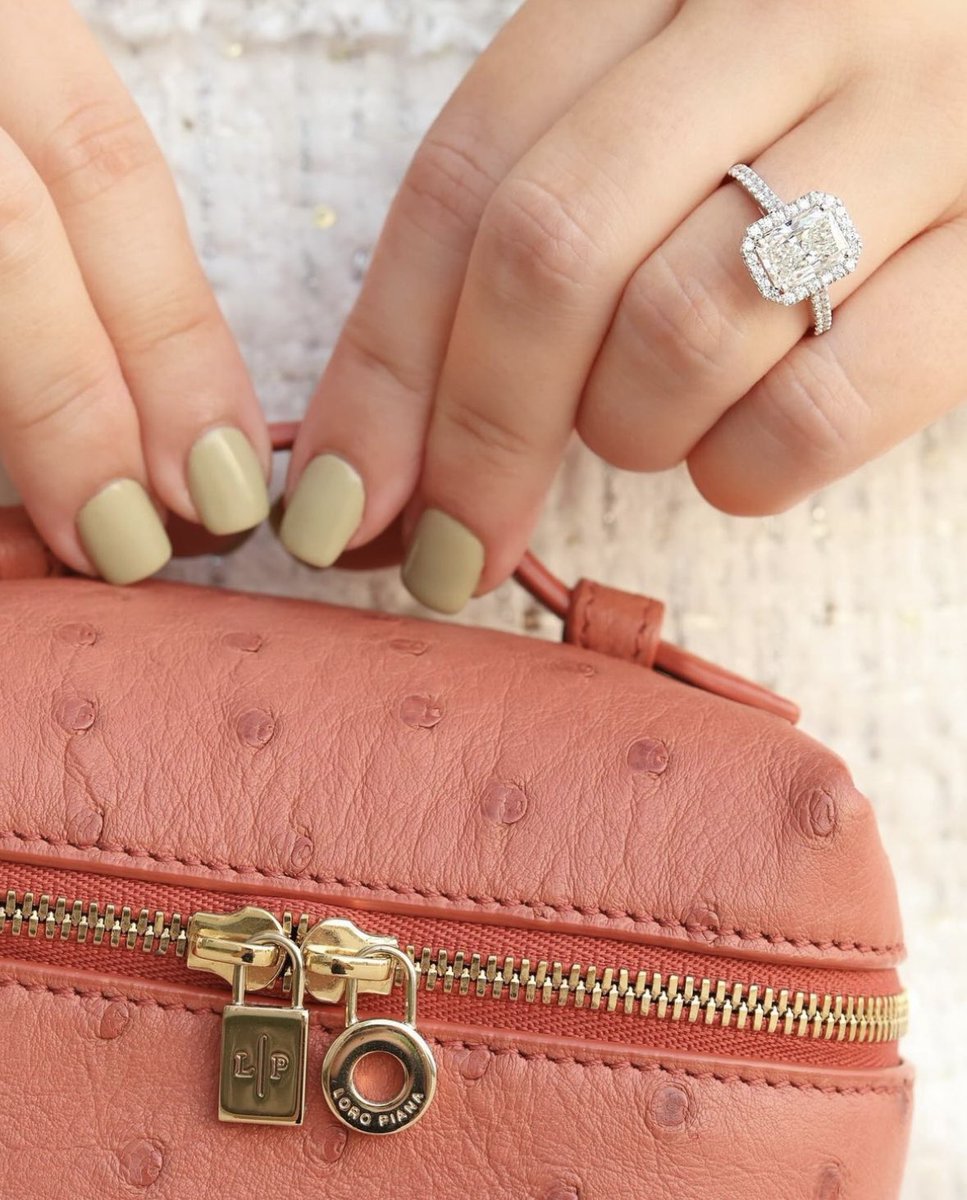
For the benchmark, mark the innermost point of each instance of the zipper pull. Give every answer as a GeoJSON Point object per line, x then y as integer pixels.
{"type": "Point", "coordinates": [380, 1035]}
{"type": "Point", "coordinates": [263, 1064]}
{"type": "Point", "coordinates": [264, 1049]}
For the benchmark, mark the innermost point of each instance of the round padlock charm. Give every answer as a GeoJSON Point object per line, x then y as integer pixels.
{"type": "Point", "coordinates": [380, 1035]}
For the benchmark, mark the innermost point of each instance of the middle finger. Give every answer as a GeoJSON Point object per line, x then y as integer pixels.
{"type": "Point", "coordinates": [357, 457]}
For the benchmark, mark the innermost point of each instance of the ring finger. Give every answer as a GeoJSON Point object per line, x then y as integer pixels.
{"type": "Point", "coordinates": [693, 334]}
{"type": "Point", "coordinates": [895, 361]}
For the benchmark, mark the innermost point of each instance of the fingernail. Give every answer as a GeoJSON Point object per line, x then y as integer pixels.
{"type": "Point", "coordinates": [444, 562]}
{"type": "Point", "coordinates": [324, 512]}
{"type": "Point", "coordinates": [122, 533]}
{"type": "Point", "coordinates": [226, 482]}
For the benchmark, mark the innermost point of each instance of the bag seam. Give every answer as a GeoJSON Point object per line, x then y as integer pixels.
{"type": "Point", "coordinates": [77, 995]}
{"type": "Point", "coordinates": [663, 923]}
{"type": "Point", "coordinates": [641, 640]}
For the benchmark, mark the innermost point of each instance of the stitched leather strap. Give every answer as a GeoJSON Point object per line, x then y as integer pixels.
{"type": "Point", "coordinates": [616, 623]}
{"type": "Point", "coordinates": [619, 624]}
{"type": "Point", "coordinates": [625, 625]}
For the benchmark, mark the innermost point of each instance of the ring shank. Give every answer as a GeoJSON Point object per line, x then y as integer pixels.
{"type": "Point", "coordinates": [753, 183]}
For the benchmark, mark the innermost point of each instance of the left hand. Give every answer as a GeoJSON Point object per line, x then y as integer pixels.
{"type": "Point", "coordinates": [563, 253]}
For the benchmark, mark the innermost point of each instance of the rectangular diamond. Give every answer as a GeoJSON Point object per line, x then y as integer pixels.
{"type": "Point", "coordinates": [802, 249]}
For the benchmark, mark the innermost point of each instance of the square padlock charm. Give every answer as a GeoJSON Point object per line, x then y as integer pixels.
{"type": "Point", "coordinates": [263, 1065]}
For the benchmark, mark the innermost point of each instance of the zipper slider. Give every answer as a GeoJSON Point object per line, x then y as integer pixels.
{"type": "Point", "coordinates": [263, 1064]}
{"type": "Point", "coordinates": [337, 951]}
{"type": "Point", "coordinates": [223, 942]}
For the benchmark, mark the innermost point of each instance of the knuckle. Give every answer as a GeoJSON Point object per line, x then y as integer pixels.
{"type": "Point", "coordinates": [64, 402]}
{"type": "Point", "coordinates": [631, 431]}
{"type": "Point", "coordinates": [446, 188]}
{"type": "Point", "coordinates": [98, 144]}
{"type": "Point", "coordinates": [811, 405]}
{"type": "Point", "coordinates": [604, 427]}
{"type": "Point", "coordinates": [23, 201]}
{"type": "Point", "coordinates": [597, 432]}
{"type": "Point", "coordinates": [535, 242]}
{"type": "Point", "coordinates": [385, 370]}
{"type": "Point", "coordinates": [679, 318]}
{"type": "Point", "coordinates": [162, 321]}
{"type": "Point", "coordinates": [496, 447]}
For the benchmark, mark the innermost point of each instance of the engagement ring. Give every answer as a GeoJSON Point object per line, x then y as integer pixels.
{"type": "Point", "coordinates": [795, 251]}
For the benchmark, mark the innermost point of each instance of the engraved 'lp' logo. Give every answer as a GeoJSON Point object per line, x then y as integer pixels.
{"type": "Point", "coordinates": [269, 1065]}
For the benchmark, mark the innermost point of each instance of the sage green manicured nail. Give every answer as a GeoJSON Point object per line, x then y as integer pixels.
{"type": "Point", "coordinates": [226, 482]}
{"type": "Point", "coordinates": [444, 562]}
{"type": "Point", "coordinates": [122, 533]}
{"type": "Point", "coordinates": [324, 512]}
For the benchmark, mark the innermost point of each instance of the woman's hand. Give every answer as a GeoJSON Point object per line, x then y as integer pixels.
{"type": "Point", "coordinates": [564, 253]}
{"type": "Point", "coordinates": [120, 383]}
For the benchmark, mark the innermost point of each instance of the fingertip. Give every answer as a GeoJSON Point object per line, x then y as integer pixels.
{"type": "Point", "coordinates": [735, 489]}
{"type": "Point", "coordinates": [122, 534]}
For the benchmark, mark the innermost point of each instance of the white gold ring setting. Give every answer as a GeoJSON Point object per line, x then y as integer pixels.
{"type": "Point", "coordinates": [795, 251]}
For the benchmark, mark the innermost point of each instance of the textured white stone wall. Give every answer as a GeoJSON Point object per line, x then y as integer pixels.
{"type": "Point", "coordinates": [288, 124]}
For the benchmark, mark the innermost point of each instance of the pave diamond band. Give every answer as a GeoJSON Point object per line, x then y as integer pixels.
{"type": "Point", "coordinates": [795, 251]}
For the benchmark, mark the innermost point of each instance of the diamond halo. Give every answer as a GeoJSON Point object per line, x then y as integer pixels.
{"type": "Point", "coordinates": [794, 252]}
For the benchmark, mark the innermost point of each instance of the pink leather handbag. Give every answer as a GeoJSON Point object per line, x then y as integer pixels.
{"type": "Point", "coordinates": [302, 901]}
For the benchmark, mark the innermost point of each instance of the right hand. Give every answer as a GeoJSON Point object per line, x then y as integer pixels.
{"type": "Point", "coordinates": [122, 390]}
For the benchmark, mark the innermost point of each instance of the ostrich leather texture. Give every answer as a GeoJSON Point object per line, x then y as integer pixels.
{"type": "Point", "coordinates": [180, 736]}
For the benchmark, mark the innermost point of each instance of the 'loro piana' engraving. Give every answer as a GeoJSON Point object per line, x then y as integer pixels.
{"type": "Point", "coordinates": [364, 1117]}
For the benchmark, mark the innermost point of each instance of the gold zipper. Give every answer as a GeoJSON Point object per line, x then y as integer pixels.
{"type": "Point", "coordinates": [117, 925]}
{"type": "Point", "coordinates": [332, 956]}
{"type": "Point", "coordinates": [264, 1048]}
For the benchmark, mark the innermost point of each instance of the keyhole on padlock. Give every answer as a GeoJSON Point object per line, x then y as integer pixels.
{"type": "Point", "coordinates": [380, 1076]}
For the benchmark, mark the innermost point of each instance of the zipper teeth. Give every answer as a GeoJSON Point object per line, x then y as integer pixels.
{"type": "Point", "coordinates": [670, 997]}
{"type": "Point", "coordinates": [58, 919]}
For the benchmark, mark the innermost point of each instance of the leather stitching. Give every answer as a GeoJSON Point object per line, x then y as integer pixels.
{"type": "Point", "coordinates": [79, 994]}
{"type": "Point", "coordinates": [536, 906]}
{"type": "Point", "coordinates": [640, 656]}
{"type": "Point", "coordinates": [640, 636]}
{"type": "Point", "coordinates": [592, 590]}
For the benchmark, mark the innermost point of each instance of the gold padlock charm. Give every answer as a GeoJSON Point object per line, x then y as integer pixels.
{"type": "Point", "coordinates": [380, 1035]}
{"type": "Point", "coordinates": [263, 1071]}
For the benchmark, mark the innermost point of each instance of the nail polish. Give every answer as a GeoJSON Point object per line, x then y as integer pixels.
{"type": "Point", "coordinates": [444, 562]}
{"type": "Point", "coordinates": [324, 511]}
{"type": "Point", "coordinates": [226, 482]}
{"type": "Point", "coordinates": [122, 533]}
